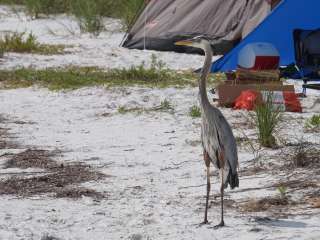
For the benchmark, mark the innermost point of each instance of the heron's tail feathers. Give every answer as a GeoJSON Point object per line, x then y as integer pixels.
{"type": "Point", "coordinates": [233, 179]}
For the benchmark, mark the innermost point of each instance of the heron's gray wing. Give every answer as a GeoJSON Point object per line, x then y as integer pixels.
{"type": "Point", "coordinates": [209, 137]}
{"type": "Point", "coordinates": [226, 140]}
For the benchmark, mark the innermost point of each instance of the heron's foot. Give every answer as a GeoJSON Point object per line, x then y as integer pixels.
{"type": "Point", "coordinates": [221, 224]}
{"type": "Point", "coordinates": [205, 222]}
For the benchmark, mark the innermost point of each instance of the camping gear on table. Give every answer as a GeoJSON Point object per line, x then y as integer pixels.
{"type": "Point", "coordinates": [224, 23]}
{"type": "Point", "coordinates": [248, 75]}
{"type": "Point", "coordinates": [307, 56]}
{"type": "Point", "coordinates": [243, 79]}
{"type": "Point", "coordinates": [258, 56]}
{"type": "Point", "coordinates": [277, 28]}
{"type": "Point", "coordinates": [257, 63]}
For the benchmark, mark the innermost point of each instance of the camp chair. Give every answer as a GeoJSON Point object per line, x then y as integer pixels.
{"type": "Point", "coordinates": [307, 56]}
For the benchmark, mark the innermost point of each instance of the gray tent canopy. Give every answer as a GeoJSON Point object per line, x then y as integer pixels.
{"type": "Point", "coordinates": [223, 22]}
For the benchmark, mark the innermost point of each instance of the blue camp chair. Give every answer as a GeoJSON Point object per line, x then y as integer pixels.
{"type": "Point", "coordinates": [307, 56]}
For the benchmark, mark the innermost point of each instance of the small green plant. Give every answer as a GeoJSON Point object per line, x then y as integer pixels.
{"type": "Point", "coordinates": [2, 50]}
{"type": "Point", "coordinates": [36, 7]}
{"type": "Point", "coordinates": [157, 74]}
{"type": "Point", "coordinates": [157, 64]}
{"type": "Point", "coordinates": [300, 154]}
{"type": "Point", "coordinates": [283, 192]}
{"type": "Point", "coordinates": [304, 154]}
{"type": "Point", "coordinates": [313, 123]}
{"type": "Point", "coordinates": [266, 118]}
{"type": "Point", "coordinates": [127, 10]}
{"type": "Point", "coordinates": [88, 14]}
{"type": "Point", "coordinates": [90, 11]}
{"type": "Point", "coordinates": [16, 42]}
{"type": "Point", "coordinates": [165, 105]}
{"type": "Point", "coordinates": [11, 1]}
{"type": "Point", "coordinates": [22, 43]}
{"type": "Point", "coordinates": [124, 110]}
{"type": "Point", "coordinates": [33, 7]}
{"type": "Point", "coordinates": [195, 112]}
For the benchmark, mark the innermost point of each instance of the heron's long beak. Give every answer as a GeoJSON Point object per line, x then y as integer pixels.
{"type": "Point", "coordinates": [183, 43]}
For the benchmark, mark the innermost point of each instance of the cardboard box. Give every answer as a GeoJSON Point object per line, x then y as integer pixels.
{"type": "Point", "coordinates": [228, 93]}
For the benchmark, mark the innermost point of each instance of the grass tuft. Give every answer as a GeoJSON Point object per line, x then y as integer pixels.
{"type": "Point", "coordinates": [305, 154]}
{"type": "Point", "coordinates": [195, 112]}
{"type": "Point", "coordinates": [127, 10]}
{"type": "Point", "coordinates": [283, 192]}
{"type": "Point", "coordinates": [37, 7]}
{"type": "Point", "coordinates": [124, 110]}
{"type": "Point", "coordinates": [157, 75]}
{"type": "Point", "coordinates": [313, 123]}
{"type": "Point", "coordinates": [77, 77]}
{"type": "Point", "coordinates": [165, 106]}
{"type": "Point", "coordinates": [19, 2]}
{"type": "Point", "coordinates": [266, 118]}
{"type": "Point", "coordinates": [2, 50]}
{"type": "Point", "coordinates": [264, 204]}
{"type": "Point", "coordinates": [22, 43]}
{"type": "Point", "coordinates": [88, 14]}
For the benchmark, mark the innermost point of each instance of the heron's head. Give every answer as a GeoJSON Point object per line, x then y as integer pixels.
{"type": "Point", "coordinates": [196, 42]}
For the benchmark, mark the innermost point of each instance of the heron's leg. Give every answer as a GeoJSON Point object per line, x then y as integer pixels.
{"type": "Point", "coordinates": [207, 162]}
{"type": "Point", "coordinates": [221, 224]}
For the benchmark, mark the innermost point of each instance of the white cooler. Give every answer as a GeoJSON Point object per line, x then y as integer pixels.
{"type": "Point", "coordinates": [259, 56]}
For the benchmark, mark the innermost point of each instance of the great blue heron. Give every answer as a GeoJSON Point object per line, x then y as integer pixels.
{"type": "Point", "coordinates": [219, 144]}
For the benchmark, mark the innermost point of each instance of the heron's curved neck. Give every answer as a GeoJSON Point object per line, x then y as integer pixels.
{"type": "Point", "coordinates": [204, 75]}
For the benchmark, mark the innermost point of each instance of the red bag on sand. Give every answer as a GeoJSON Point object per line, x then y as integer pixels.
{"type": "Point", "coordinates": [287, 101]}
{"type": "Point", "coordinates": [246, 100]}
{"type": "Point", "coordinates": [292, 102]}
